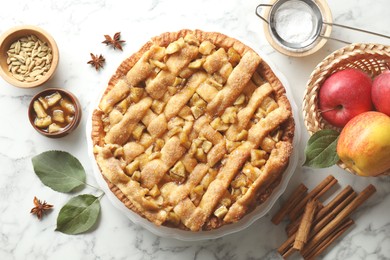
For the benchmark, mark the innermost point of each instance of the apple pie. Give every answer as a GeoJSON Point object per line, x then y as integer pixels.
{"type": "Point", "coordinates": [193, 131]}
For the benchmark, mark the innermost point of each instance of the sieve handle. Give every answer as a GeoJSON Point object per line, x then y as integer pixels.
{"type": "Point", "coordinates": [333, 39]}
{"type": "Point", "coordinates": [259, 15]}
{"type": "Point", "coordinates": [357, 29]}
{"type": "Point", "coordinates": [329, 37]}
{"type": "Point", "coordinates": [349, 28]}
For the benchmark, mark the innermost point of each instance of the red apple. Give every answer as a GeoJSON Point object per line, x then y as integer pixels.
{"type": "Point", "coordinates": [344, 95]}
{"type": "Point", "coordinates": [381, 92]}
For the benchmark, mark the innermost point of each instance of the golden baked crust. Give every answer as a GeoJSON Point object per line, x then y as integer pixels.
{"type": "Point", "coordinates": [193, 131]}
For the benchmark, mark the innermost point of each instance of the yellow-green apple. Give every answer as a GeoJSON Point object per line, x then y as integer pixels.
{"type": "Point", "coordinates": [343, 95]}
{"type": "Point", "coordinates": [380, 92]}
{"type": "Point", "coordinates": [364, 143]}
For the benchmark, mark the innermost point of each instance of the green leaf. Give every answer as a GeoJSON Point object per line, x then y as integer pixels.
{"type": "Point", "coordinates": [78, 215]}
{"type": "Point", "coordinates": [59, 170]}
{"type": "Point", "coordinates": [320, 150]}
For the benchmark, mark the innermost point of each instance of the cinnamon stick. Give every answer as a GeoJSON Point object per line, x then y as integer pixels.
{"type": "Point", "coordinates": [306, 224]}
{"type": "Point", "coordinates": [286, 249]}
{"type": "Point", "coordinates": [298, 194]}
{"type": "Point", "coordinates": [338, 199]}
{"type": "Point", "coordinates": [329, 240]}
{"type": "Point", "coordinates": [320, 189]}
{"type": "Point", "coordinates": [319, 223]}
{"type": "Point", "coordinates": [333, 213]}
{"type": "Point", "coordinates": [335, 222]}
{"type": "Point", "coordinates": [293, 226]}
{"type": "Point", "coordinates": [288, 253]}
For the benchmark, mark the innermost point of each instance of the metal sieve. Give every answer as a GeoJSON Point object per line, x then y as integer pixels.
{"type": "Point", "coordinates": [322, 26]}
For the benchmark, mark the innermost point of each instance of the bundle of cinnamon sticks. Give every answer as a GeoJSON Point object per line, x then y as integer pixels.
{"type": "Point", "coordinates": [314, 226]}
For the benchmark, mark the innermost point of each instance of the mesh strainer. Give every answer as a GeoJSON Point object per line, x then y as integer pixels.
{"type": "Point", "coordinates": [318, 20]}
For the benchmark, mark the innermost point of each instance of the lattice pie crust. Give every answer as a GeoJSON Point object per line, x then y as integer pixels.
{"type": "Point", "coordinates": [193, 131]}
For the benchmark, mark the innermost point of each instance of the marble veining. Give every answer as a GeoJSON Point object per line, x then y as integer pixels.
{"type": "Point", "coordinates": [78, 27]}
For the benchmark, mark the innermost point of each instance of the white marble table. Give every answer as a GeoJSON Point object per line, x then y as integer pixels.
{"type": "Point", "coordinates": [78, 27]}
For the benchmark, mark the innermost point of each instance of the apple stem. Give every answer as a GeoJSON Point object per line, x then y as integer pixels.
{"type": "Point", "coordinates": [331, 109]}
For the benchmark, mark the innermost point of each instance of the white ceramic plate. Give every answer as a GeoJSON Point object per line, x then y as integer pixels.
{"type": "Point", "coordinates": [246, 221]}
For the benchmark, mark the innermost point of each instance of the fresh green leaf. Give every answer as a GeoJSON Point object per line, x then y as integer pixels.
{"type": "Point", "coordinates": [320, 150]}
{"type": "Point", "coordinates": [78, 215]}
{"type": "Point", "coordinates": [59, 170]}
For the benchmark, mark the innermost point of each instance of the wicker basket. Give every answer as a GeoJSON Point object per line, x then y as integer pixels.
{"type": "Point", "coordinates": [370, 58]}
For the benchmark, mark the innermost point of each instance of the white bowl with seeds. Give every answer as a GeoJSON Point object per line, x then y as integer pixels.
{"type": "Point", "coordinates": [28, 56]}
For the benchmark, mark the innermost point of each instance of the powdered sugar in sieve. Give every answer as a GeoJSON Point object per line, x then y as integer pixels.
{"type": "Point", "coordinates": [295, 22]}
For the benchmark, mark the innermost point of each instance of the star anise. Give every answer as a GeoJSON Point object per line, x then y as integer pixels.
{"type": "Point", "coordinates": [97, 61]}
{"type": "Point", "coordinates": [115, 42]}
{"type": "Point", "coordinates": [40, 207]}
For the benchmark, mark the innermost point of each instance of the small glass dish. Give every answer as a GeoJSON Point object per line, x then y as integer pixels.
{"type": "Point", "coordinates": [54, 112]}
